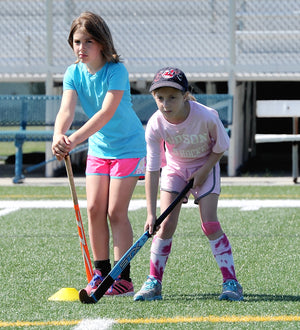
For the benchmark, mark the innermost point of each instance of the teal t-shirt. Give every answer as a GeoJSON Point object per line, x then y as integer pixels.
{"type": "Point", "coordinates": [123, 136]}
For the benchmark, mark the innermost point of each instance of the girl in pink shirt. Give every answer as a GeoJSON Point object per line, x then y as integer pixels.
{"type": "Point", "coordinates": [186, 140]}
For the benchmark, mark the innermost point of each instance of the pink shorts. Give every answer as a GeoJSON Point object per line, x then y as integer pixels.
{"type": "Point", "coordinates": [116, 168]}
{"type": "Point", "coordinates": [174, 181]}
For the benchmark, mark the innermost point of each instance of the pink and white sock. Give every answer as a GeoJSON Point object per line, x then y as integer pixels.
{"type": "Point", "coordinates": [221, 250]}
{"type": "Point", "coordinates": [160, 250]}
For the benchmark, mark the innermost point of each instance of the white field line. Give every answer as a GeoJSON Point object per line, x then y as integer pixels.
{"type": "Point", "coordinates": [8, 210]}
{"type": "Point", "coordinates": [97, 324]}
{"type": "Point", "coordinates": [135, 204]}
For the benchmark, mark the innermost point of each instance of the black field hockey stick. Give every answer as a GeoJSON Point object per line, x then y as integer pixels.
{"type": "Point", "coordinates": [129, 255]}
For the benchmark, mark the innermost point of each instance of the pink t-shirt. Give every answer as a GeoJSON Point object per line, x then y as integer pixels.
{"type": "Point", "coordinates": [188, 144]}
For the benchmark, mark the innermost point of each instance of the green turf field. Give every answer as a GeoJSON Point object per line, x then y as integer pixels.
{"type": "Point", "coordinates": [40, 254]}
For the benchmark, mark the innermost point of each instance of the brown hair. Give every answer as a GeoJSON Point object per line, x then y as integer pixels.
{"type": "Point", "coordinates": [190, 97]}
{"type": "Point", "coordinates": [96, 27]}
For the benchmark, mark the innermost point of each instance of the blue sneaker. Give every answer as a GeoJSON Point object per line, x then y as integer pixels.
{"type": "Point", "coordinates": [151, 290]}
{"type": "Point", "coordinates": [232, 290]}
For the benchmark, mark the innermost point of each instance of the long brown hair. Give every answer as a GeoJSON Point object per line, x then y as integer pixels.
{"type": "Point", "coordinates": [96, 27]}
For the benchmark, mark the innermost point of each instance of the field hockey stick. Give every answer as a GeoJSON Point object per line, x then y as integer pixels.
{"type": "Point", "coordinates": [82, 239]}
{"type": "Point", "coordinates": [129, 255]}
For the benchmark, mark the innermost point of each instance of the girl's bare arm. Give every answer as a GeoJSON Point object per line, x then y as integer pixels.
{"type": "Point", "coordinates": [151, 187]}
{"type": "Point", "coordinates": [101, 118]}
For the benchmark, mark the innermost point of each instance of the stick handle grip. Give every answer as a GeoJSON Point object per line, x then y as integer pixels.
{"type": "Point", "coordinates": [71, 179]}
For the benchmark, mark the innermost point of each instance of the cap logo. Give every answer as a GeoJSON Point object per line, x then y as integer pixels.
{"type": "Point", "coordinates": [168, 74]}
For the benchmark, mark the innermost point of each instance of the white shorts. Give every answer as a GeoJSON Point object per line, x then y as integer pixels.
{"type": "Point", "coordinates": [174, 181]}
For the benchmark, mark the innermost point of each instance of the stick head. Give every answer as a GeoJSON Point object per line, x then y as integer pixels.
{"type": "Point", "coordinates": [85, 298]}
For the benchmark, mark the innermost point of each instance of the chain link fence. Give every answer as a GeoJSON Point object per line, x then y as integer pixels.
{"type": "Point", "coordinates": [206, 38]}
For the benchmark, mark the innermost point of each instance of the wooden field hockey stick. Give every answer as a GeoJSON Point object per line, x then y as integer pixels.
{"type": "Point", "coordinates": [129, 255]}
{"type": "Point", "coordinates": [82, 239]}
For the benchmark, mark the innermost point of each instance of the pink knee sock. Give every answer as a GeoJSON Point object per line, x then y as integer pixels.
{"type": "Point", "coordinates": [221, 250]}
{"type": "Point", "coordinates": [160, 250]}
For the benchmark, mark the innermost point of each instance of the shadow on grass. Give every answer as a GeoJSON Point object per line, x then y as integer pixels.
{"type": "Point", "coordinates": [247, 297]}
{"type": "Point", "coordinates": [270, 297]}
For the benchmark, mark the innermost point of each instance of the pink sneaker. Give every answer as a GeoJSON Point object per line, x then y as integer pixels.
{"type": "Point", "coordinates": [120, 288]}
{"type": "Point", "coordinates": [94, 283]}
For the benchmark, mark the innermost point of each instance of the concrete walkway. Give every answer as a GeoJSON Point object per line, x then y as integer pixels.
{"type": "Point", "coordinates": [226, 181]}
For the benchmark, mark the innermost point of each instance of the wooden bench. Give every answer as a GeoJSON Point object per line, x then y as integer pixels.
{"type": "Point", "coordinates": [281, 109]}
{"type": "Point", "coordinates": [32, 117]}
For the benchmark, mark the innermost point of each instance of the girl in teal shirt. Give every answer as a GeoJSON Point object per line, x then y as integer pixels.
{"type": "Point", "coordinates": [117, 147]}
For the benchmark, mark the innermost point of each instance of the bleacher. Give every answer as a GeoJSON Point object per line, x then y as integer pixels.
{"type": "Point", "coordinates": [213, 41]}
{"type": "Point", "coordinates": [195, 36]}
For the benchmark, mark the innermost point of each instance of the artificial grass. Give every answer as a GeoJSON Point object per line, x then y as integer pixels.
{"type": "Point", "coordinates": [228, 192]}
{"type": "Point", "coordinates": [40, 254]}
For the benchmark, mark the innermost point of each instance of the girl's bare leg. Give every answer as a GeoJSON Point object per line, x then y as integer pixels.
{"type": "Point", "coordinates": [97, 187]}
{"type": "Point", "coordinates": [168, 226]}
{"type": "Point", "coordinates": [208, 212]}
{"type": "Point", "coordinates": [120, 194]}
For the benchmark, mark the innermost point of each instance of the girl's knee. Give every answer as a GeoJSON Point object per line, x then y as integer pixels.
{"type": "Point", "coordinates": [211, 227]}
{"type": "Point", "coordinates": [118, 216]}
{"type": "Point", "coordinates": [167, 229]}
{"type": "Point", "coordinates": [95, 210]}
